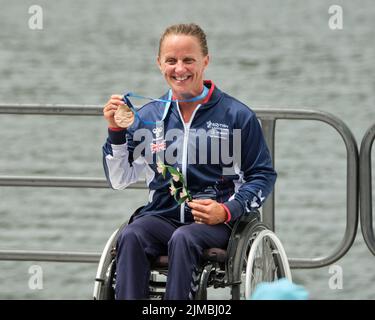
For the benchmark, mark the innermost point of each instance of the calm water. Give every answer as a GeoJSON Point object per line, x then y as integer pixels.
{"type": "Point", "coordinates": [266, 53]}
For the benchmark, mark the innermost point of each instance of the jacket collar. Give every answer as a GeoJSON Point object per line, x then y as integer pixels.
{"type": "Point", "coordinates": [213, 96]}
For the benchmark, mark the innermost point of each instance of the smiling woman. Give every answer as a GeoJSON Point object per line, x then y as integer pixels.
{"type": "Point", "coordinates": [183, 58]}
{"type": "Point", "coordinates": [221, 188]}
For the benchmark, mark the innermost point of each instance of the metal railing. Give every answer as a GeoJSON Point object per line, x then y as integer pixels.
{"type": "Point", "coordinates": [366, 188]}
{"type": "Point", "coordinates": [268, 117]}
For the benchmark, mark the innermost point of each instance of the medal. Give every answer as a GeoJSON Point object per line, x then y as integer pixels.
{"type": "Point", "coordinates": [124, 116]}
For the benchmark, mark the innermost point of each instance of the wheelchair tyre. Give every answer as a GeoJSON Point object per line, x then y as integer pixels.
{"type": "Point", "coordinates": [107, 291]}
{"type": "Point", "coordinates": [266, 261]}
{"type": "Point", "coordinates": [243, 269]}
{"type": "Point", "coordinates": [105, 276]}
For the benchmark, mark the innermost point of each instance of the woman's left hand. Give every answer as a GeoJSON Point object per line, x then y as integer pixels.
{"type": "Point", "coordinates": [207, 211]}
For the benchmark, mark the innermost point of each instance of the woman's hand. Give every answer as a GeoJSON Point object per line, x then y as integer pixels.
{"type": "Point", "coordinates": [117, 113]}
{"type": "Point", "coordinates": [207, 211]}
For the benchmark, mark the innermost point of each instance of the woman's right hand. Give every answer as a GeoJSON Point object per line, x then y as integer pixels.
{"type": "Point", "coordinates": [117, 113]}
{"type": "Point", "coordinates": [110, 109]}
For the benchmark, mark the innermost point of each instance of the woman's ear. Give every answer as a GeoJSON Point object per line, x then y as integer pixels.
{"type": "Point", "coordinates": [206, 61]}
{"type": "Point", "coordinates": [158, 62]}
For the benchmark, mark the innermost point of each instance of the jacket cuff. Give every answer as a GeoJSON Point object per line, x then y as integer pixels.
{"type": "Point", "coordinates": [116, 136]}
{"type": "Point", "coordinates": [235, 208]}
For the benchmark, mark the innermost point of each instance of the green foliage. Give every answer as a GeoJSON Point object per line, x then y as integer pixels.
{"type": "Point", "coordinates": [177, 183]}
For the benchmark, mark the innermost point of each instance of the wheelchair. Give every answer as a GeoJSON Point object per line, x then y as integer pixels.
{"type": "Point", "coordinates": [254, 254]}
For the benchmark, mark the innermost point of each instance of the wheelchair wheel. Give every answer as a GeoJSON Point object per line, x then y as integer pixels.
{"type": "Point", "coordinates": [103, 288]}
{"type": "Point", "coordinates": [266, 261]}
{"type": "Point", "coordinates": [260, 257]}
{"type": "Point", "coordinates": [105, 275]}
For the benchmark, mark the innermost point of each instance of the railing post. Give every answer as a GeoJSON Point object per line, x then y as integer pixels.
{"type": "Point", "coordinates": [268, 211]}
{"type": "Point", "coordinates": [366, 189]}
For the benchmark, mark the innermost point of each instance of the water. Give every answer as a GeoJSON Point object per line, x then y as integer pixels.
{"type": "Point", "coordinates": [266, 53]}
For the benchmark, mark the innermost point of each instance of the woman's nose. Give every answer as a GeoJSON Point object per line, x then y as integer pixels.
{"type": "Point", "coordinates": [180, 67]}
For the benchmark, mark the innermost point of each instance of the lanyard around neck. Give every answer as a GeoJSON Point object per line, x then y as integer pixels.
{"type": "Point", "coordinates": [167, 101]}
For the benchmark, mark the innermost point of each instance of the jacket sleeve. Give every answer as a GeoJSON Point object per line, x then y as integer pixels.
{"type": "Point", "coordinates": [120, 168]}
{"type": "Point", "coordinates": [256, 174]}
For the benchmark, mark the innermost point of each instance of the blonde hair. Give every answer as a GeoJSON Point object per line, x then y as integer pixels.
{"type": "Point", "coordinates": [190, 29]}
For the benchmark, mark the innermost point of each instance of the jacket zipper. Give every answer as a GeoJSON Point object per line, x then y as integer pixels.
{"type": "Point", "coordinates": [184, 153]}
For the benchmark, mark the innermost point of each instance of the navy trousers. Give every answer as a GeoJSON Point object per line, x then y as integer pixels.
{"type": "Point", "coordinates": [148, 237]}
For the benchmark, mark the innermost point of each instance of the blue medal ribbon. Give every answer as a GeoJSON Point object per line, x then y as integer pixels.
{"type": "Point", "coordinates": [134, 110]}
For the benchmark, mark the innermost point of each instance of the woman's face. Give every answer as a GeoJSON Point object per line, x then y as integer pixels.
{"type": "Point", "coordinates": [182, 63]}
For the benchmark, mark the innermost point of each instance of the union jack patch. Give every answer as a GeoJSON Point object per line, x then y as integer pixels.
{"type": "Point", "coordinates": [158, 146]}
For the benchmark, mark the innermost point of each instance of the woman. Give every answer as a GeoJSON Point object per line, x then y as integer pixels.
{"type": "Point", "coordinates": [195, 128]}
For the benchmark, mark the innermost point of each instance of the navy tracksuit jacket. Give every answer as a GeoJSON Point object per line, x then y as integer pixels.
{"type": "Point", "coordinates": [220, 151]}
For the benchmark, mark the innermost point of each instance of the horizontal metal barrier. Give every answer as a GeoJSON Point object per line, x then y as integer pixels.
{"type": "Point", "coordinates": [268, 117]}
{"type": "Point", "coordinates": [366, 189]}
{"type": "Point", "coordinates": [60, 182]}
{"type": "Point", "coordinates": [52, 109]}
{"type": "Point", "coordinates": [52, 256]}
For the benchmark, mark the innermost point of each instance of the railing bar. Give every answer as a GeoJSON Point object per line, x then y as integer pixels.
{"type": "Point", "coordinates": [61, 182]}
{"type": "Point", "coordinates": [50, 256]}
{"type": "Point", "coordinates": [267, 113]}
{"type": "Point", "coordinates": [94, 257]}
{"type": "Point", "coordinates": [64, 110]}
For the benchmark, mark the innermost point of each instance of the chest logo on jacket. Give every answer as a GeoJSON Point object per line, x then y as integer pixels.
{"type": "Point", "coordinates": [158, 143]}
{"type": "Point", "coordinates": [217, 130]}
{"type": "Point", "coordinates": [158, 132]}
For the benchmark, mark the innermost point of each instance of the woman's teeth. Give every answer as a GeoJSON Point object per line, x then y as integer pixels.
{"type": "Point", "coordinates": [181, 78]}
